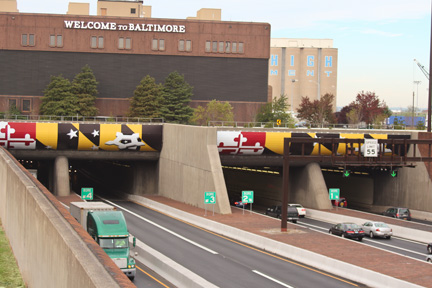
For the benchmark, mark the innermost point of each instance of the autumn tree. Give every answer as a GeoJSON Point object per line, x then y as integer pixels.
{"type": "Point", "coordinates": [146, 101]}
{"type": "Point", "coordinates": [317, 112]}
{"type": "Point", "coordinates": [277, 109]}
{"type": "Point", "coordinates": [369, 108]}
{"type": "Point", "coordinates": [214, 111]}
{"type": "Point", "coordinates": [84, 88]}
{"type": "Point", "coordinates": [58, 98]}
{"type": "Point", "coordinates": [176, 96]}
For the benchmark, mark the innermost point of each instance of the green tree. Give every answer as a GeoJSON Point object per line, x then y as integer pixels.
{"type": "Point", "coordinates": [176, 96]}
{"type": "Point", "coordinates": [277, 109]}
{"type": "Point", "coordinates": [146, 101]}
{"type": "Point", "coordinates": [84, 87]}
{"type": "Point", "coordinates": [353, 116]}
{"type": "Point", "coordinates": [58, 98]}
{"type": "Point", "coordinates": [317, 112]}
{"type": "Point", "coordinates": [214, 111]}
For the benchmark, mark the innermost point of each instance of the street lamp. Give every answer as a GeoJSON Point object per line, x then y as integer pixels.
{"type": "Point", "coordinates": [292, 96]}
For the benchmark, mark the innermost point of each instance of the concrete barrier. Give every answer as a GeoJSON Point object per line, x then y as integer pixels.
{"type": "Point", "coordinates": [324, 263]}
{"type": "Point", "coordinates": [404, 232]}
{"type": "Point", "coordinates": [44, 238]}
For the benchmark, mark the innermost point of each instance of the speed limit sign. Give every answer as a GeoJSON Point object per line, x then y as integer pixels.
{"type": "Point", "coordinates": [370, 148]}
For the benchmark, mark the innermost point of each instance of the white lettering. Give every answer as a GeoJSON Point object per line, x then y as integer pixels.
{"type": "Point", "coordinates": [169, 28]}
{"type": "Point", "coordinates": [113, 26]}
{"type": "Point", "coordinates": [83, 25]}
{"type": "Point", "coordinates": [76, 24]}
{"type": "Point", "coordinates": [182, 29]}
{"type": "Point", "coordinates": [150, 27]}
{"type": "Point", "coordinates": [89, 25]}
{"type": "Point", "coordinates": [68, 24]}
{"type": "Point", "coordinates": [131, 27]}
{"type": "Point", "coordinates": [97, 25]}
{"type": "Point", "coordinates": [105, 26]}
{"type": "Point", "coordinates": [175, 29]}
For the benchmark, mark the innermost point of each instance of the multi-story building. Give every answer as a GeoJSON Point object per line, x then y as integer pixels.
{"type": "Point", "coordinates": [222, 60]}
{"type": "Point", "coordinates": [302, 67]}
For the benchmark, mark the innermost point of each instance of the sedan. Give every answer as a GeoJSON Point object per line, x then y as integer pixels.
{"type": "Point", "coordinates": [240, 204]}
{"type": "Point", "coordinates": [300, 209]}
{"type": "Point", "coordinates": [348, 230]}
{"type": "Point", "coordinates": [377, 229]}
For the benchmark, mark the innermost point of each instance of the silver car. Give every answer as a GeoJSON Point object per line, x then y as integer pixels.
{"type": "Point", "coordinates": [377, 229]}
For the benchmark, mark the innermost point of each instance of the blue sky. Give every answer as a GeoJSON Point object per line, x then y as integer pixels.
{"type": "Point", "coordinates": [377, 40]}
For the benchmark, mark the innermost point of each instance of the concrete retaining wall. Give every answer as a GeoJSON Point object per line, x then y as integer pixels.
{"type": "Point", "coordinates": [349, 271]}
{"type": "Point", "coordinates": [189, 165]}
{"type": "Point", "coordinates": [44, 237]}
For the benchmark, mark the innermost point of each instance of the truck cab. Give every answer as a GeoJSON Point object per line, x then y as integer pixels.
{"type": "Point", "coordinates": [109, 230]}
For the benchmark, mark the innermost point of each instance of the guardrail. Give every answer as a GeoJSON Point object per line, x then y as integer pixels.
{"type": "Point", "coordinates": [77, 118]}
{"type": "Point", "coordinates": [240, 124]}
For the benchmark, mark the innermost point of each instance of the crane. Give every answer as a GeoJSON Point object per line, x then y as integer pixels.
{"type": "Point", "coordinates": [426, 73]}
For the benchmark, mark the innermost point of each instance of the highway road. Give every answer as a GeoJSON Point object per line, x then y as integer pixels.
{"type": "Point", "coordinates": [219, 260]}
{"type": "Point", "coordinates": [397, 245]}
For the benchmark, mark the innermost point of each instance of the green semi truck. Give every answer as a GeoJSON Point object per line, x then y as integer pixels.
{"type": "Point", "coordinates": [108, 228]}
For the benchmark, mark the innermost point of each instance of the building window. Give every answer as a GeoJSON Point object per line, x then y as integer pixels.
{"type": "Point", "coordinates": [221, 47]}
{"type": "Point", "coordinates": [28, 40]}
{"type": "Point", "coordinates": [240, 47]}
{"type": "Point", "coordinates": [56, 41]}
{"type": "Point", "coordinates": [208, 46]}
{"type": "Point", "coordinates": [125, 43]}
{"type": "Point", "coordinates": [214, 46]}
{"type": "Point", "coordinates": [26, 105]}
{"type": "Point", "coordinates": [234, 47]}
{"type": "Point", "coordinates": [133, 10]}
{"type": "Point", "coordinates": [188, 45]}
{"type": "Point", "coordinates": [97, 42]}
{"type": "Point", "coordinates": [12, 103]}
{"type": "Point", "coordinates": [228, 47]}
{"type": "Point", "coordinates": [158, 44]}
{"type": "Point", "coordinates": [181, 46]}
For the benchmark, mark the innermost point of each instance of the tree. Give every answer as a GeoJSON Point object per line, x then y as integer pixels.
{"type": "Point", "coordinates": [146, 100]}
{"type": "Point", "coordinates": [58, 98]}
{"type": "Point", "coordinates": [353, 116]}
{"type": "Point", "coordinates": [176, 96]}
{"type": "Point", "coordinates": [215, 111]}
{"type": "Point", "coordinates": [277, 109]}
{"type": "Point", "coordinates": [318, 111]}
{"type": "Point", "coordinates": [84, 87]}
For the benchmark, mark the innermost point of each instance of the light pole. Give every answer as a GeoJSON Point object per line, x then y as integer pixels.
{"type": "Point", "coordinates": [292, 96]}
{"type": "Point", "coordinates": [417, 83]}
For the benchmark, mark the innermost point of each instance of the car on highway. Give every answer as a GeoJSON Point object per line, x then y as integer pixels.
{"type": "Point", "coordinates": [398, 212]}
{"type": "Point", "coordinates": [377, 229]}
{"type": "Point", "coordinates": [300, 209]}
{"type": "Point", "coordinates": [429, 248]}
{"type": "Point", "coordinates": [348, 230]}
{"type": "Point", "coordinates": [276, 211]}
{"type": "Point", "coordinates": [341, 202]}
{"type": "Point", "coordinates": [240, 204]}
{"type": "Point", "coordinates": [429, 258]}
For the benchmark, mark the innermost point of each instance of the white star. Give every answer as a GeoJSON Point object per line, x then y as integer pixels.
{"type": "Point", "coordinates": [95, 147]}
{"type": "Point", "coordinates": [72, 134]}
{"type": "Point", "coordinates": [95, 133]}
{"type": "Point", "coordinates": [48, 147]}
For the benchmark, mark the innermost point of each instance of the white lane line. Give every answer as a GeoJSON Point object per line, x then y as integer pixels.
{"type": "Point", "coordinates": [272, 279]}
{"type": "Point", "coordinates": [163, 228]}
{"type": "Point", "coordinates": [395, 247]}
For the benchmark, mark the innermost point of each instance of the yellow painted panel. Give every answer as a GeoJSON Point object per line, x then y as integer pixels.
{"type": "Point", "coordinates": [47, 134]}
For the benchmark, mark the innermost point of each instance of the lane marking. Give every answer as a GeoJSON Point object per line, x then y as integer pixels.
{"type": "Point", "coordinates": [164, 229]}
{"type": "Point", "coordinates": [162, 284]}
{"type": "Point", "coordinates": [250, 247]}
{"type": "Point", "coordinates": [272, 279]}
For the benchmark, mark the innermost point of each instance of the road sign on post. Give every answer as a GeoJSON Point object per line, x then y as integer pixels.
{"type": "Point", "coordinates": [87, 193]}
{"type": "Point", "coordinates": [247, 197]}
{"type": "Point", "coordinates": [334, 193]}
{"type": "Point", "coordinates": [209, 198]}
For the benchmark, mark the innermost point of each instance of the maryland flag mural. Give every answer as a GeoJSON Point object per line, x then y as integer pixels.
{"type": "Point", "coordinates": [78, 136]}
{"type": "Point", "coordinates": [272, 143]}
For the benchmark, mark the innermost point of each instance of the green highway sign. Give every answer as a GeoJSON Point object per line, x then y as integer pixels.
{"type": "Point", "coordinates": [334, 193]}
{"type": "Point", "coordinates": [87, 193]}
{"type": "Point", "coordinates": [247, 196]}
{"type": "Point", "coordinates": [209, 197]}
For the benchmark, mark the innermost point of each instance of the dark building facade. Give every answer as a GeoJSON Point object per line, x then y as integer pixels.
{"type": "Point", "coordinates": [226, 61]}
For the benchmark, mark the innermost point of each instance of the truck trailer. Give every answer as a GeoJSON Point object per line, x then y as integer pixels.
{"type": "Point", "coordinates": [108, 228]}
